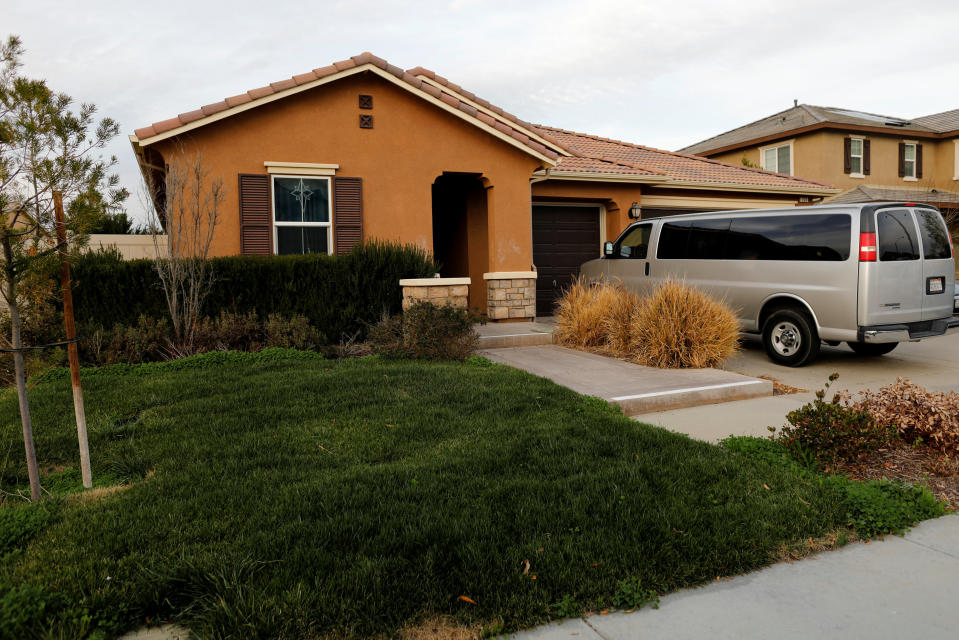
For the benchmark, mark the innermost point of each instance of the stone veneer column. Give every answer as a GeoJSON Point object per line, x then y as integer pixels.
{"type": "Point", "coordinates": [511, 295]}
{"type": "Point", "coordinates": [438, 291]}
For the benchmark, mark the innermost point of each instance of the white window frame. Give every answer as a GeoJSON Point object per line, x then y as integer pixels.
{"type": "Point", "coordinates": [955, 160]}
{"type": "Point", "coordinates": [915, 160]}
{"type": "Point", "coordinates": [329, 204]}
{"type": "Point", "coordinates": [792, 160]}
{"type": "Point", "coordinates": [861, 156]}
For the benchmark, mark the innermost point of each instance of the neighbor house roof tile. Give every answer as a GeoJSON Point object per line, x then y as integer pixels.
{"type": "Point", "coordinates": [780, 125]}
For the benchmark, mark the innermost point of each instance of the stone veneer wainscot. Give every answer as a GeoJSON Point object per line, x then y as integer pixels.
{"type": "Point", "coordinates": [511, 295]}
{"type": "Point", "coordinates": [438, 291]}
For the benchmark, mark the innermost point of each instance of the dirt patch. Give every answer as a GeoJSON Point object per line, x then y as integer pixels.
{"type": "Point", "coordinates": [781, 388]}
{"type": "Point", "coordinates": [99, 493]}
{"type": "Point", "coordinates": [917, 465]}
{"type": "Point", "coordinates": [440, 628]}
{"type": "Point", "coordinates": [791, 551]}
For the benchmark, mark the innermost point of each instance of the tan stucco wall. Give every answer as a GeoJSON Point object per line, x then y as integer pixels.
{"type": "Point", "coordinates": [130, 246]}
{"type": "Point", "coordinates": [411, 144]}
{"type": "Point", "coordinates": [818, 156]}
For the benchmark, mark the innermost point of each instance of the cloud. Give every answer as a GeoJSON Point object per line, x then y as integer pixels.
{"type": "Point", "coordinates": [664, 74]}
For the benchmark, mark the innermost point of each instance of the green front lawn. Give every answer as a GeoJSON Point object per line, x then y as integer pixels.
{"type": "Point", "coordinates": [284, 496]}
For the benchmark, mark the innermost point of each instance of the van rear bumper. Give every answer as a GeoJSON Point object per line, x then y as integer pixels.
{"type": "Point", "coordinates": [908, 331]}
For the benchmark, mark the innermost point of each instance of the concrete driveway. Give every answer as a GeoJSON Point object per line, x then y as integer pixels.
{"type": "Point", "coordinates": [932, 363]}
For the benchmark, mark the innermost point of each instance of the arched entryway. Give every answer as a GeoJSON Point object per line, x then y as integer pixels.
{"type": "Point", "coordinates": [461, 230]}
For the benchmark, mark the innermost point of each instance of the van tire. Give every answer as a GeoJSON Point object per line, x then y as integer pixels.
{"type": "Point", "coordinates": [872, 349]}
{"type": "Point", "coordinates": [790, 338]}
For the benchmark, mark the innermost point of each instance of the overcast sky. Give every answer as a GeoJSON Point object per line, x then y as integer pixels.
{"type": "Point", "coordinates": [660, 73]}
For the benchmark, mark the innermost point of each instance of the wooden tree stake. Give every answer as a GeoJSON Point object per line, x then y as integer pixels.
{"type": "Point", "coordinates": [72, 350]}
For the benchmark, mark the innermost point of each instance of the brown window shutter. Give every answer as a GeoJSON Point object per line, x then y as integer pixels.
{"type": "Point", "coordinates": [256, 221]}
{"type": "Point", "coordinates": [866, 168]}
{"type": "Point", "coordinates": [902, 159]}
{"type": "Point", "coordinates": [918, 160]}
{"type": "Point", "coordinates": [347, 214]}
{"type": "Point", "coordinates": [847, 155]}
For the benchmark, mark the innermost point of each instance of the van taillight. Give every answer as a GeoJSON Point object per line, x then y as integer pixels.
{"type": "Point", "coordinates": [867, 247]}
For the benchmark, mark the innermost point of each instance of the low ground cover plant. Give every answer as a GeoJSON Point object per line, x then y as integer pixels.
{"type": "Point", "coordinates": [675, 325]}
{"type": "Point", "coordinates": [279, 494]}
{"type": "Point", "coordinates": [426, 331]}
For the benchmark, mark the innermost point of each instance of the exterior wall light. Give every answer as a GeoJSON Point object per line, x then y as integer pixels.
{"type": "Point", "coordinates": [635, 212]}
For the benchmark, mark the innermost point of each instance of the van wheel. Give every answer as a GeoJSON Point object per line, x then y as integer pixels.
{"type": "Point", "coordinates": [872, 349]}
{"type": "Point", "coordinates": [790, 338]}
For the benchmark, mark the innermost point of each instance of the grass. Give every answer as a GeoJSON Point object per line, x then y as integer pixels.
{"type": "Point", "coordinates": [280, 495]}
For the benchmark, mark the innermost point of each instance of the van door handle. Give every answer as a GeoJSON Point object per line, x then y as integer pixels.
{"type": "Point", "coordinates": [647, 268]}
{"type": "Point", "coordinates": [554, 284]}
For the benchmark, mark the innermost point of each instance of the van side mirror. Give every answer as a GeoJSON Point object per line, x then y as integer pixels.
{"type": "Point", "coordinates": [608, 248]}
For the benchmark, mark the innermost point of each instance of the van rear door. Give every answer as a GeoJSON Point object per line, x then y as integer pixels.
{"type": "Point", "coordinates": [938, 268]}
{"type": "Point", "coordinates": [896, 289]}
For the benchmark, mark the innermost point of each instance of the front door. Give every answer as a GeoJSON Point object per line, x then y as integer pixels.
{"type": "Point", "coordinates": [564, 237]}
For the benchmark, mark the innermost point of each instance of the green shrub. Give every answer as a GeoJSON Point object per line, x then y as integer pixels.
{"type": "Point", "coordinates": [825, 432]}
{"type": "Point", "coordinates": [340, 296]}
{"type": "Point", "coordinates": [427, 332]}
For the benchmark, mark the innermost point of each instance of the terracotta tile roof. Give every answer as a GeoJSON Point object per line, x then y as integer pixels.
{"type": "Point", "coordinates": [415, 78]}
{"type": "Point", "coordinates": [677, 167]}
{"type": "Point", "coordinates": [804, 115]}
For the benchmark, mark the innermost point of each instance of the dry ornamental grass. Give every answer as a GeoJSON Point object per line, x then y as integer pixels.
{"type": "Point", "coordinates": [674, 326]}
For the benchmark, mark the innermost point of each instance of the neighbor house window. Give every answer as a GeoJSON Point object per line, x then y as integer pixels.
{"type": "Point", "coordinates": [909, 160]}
{"type": "Point", "coordinates": [301, 215]}
{"type": "Point", "coordinates": [778, 159]}
{"type": "Point", "coordinates": [856, 157]}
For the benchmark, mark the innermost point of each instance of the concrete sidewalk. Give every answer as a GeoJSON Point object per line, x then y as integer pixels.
{"type": "Point", "coordinates": [895, 588]}
{"type": "Point", "coordinates": [636, 389]}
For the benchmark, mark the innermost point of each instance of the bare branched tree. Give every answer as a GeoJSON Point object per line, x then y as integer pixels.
{"type": "Point", "coordinates": [188, 210]}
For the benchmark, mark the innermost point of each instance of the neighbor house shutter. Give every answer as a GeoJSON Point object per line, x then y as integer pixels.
{"type": "Point", "coordinates": [918, 161]}
{"type": "Point", "coordinates": [256, 233]}
{"type": "Point", "coordinates": [866, 164]}
{"type": "Point", "coordinates": [902, 159]}
{"type": "Point", "coordinates": [847, 155]}
{"type": "Point", "coordinates": [347, 214]}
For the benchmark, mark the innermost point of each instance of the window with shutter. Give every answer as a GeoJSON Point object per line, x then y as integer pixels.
{"type": "Point", "coordinates": [255, 217]}
{"type": "Point", "coordinates": [866, 157]}
{"type": "Point", "coordinates": [347, 214]}
{"type": "Point", "coordinates": [856, 157]}
{"type": "Point", "coordinates": [909, 162]}
{"type": "Point", "coordinates": [301, 214]}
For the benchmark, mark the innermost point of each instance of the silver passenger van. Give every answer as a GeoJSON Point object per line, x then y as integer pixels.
{"type": "Point", "coordinates": [872, 275]}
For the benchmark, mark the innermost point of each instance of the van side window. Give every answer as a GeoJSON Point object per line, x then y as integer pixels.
{"type": "Point", "coordinates": [672, 240]}
{"type": "Point", "coordinates": [897, 236]}
{"type": "Point", "coordinates": [815, 238]}
{"type": "Point", "coordinates": [634, 244]}
{"type": "Point", "coordinates": [707, 240]}
{"type": "Point", "coordinates": [935, 236]}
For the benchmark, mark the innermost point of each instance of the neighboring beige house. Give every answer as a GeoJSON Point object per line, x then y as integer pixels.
{"type": "Point", "coordinates": [130, 246]}
{"type": "Point", "coordinates": [870, 157]}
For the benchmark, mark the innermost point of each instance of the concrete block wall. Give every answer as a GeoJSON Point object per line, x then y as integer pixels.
{"type": "Point", "coordinates": [437, 291]}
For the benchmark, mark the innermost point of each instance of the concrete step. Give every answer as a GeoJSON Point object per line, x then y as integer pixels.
{"type": "Point", "coordinates": [634, 388]}
{"type": "Point", "coordinates": [513, 340]}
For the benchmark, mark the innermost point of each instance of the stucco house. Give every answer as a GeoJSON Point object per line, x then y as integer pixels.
{"type": "Point", "coordinates": [871, 157]}
{"type": "Point", "coordinates": [362, 148]}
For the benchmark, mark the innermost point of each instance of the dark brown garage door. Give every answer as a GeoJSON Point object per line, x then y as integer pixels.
{"type": "Point", "coordinates": [563, 239]}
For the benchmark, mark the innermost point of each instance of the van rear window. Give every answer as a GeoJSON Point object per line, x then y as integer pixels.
{"type": "Point", "coordinates": [897, 236]}
{"type": "Point", "coordinates": [824, 237]}
{"type": "Point", "coordinates": [935, 236]}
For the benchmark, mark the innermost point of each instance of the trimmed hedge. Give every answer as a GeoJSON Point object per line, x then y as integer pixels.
{"type": "Point", "coordinates": [340, 295]}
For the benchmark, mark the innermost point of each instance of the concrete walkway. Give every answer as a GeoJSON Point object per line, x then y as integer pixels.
{"type": "Point", "coordinates": [891, 589]}
{"type": "Point", "coordinates": [636, 389]}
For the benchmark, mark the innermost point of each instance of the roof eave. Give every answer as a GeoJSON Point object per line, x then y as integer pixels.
{"type": "Point", "coordinates": [596, 176]}
{"type": "Point", "coordinates": [756, 188]}
{"type": "Point", "coordinates": [226, 113]}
